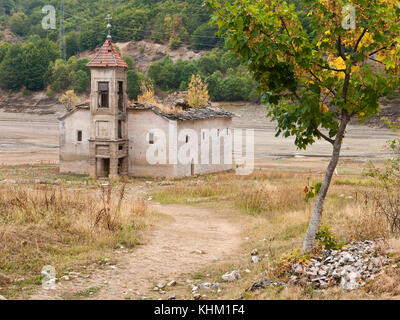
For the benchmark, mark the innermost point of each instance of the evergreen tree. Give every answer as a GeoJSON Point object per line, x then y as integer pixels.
{"type": "Point", "coordinates": [12, 69]}
{"type": "Point", "coordinates": [133, 84]}
{"type": "Point", "coordinates": [80, 81]}
{"type": "Point", "coordinates": [19, 24]}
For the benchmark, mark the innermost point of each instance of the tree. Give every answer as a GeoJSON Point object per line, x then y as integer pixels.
{"type": "Point", "coordinates": [34, 67]}
{"type": "Point", "coordinates": [130, 62]}
{"type": "Point", "coordinates": [71, 44]}
{"type": "Point", "coordinates": [12, 69]}
{"type": "Point", "coordinates": [6, 6]}
{"type": "Point", "coordinates": [19, 24]}
{"type": "Point", "coordinates": [164, 74]}
{"type": "Point", "coordinates": [147, 93]}
{"type": "Point", "coordinates": [215, 86]}
{"type": "Point", "coordinates": [208, 64]}
{"type": "Point", "coordinates": [80, 81]}
{"type": "Point", "coordinates": [3, 50]}
{"type": "Point", "coordinates": [60, 76]}
{"type": "Point", "coordinates": [204, 37]}
{"type": "Point", "coordinates": [69, 99]}
{"type": "Point", "coordinates": [134, 79]}
{"type": "Point", "coordinates": [315, 84]}
{"type": "Point", "coordinates": [197, 93]}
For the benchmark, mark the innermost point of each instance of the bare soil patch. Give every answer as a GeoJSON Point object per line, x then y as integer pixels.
{"type": "Point", "coordinates": [170, 253]}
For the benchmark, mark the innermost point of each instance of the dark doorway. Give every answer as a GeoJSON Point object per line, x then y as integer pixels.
{"type": "Point", "coordinates": [122, 166]}
{"type": "Point", "coordinates": [103, 168]}
{"type": "Point", "coordinates": [192, 168]}
{"type": "Point", "coordinates": [120, 162]}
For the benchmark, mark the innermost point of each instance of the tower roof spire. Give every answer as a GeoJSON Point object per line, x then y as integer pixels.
{"type": "Point", "coordinates": [107, 55]}
{"type": "Point", "coordinates": [109, 26]}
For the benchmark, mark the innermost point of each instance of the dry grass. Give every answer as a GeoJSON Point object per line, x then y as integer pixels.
{"type": "Point", "coordinates": [48, 225]}
{"type": "Point", "coordinates": [278, 222]}
{"type": "Point", "coordinates": [268, 198]}
{"type": "Point", "coordinates": [185, 192]}
{"type": "Point", "coordinates": [269, 204]}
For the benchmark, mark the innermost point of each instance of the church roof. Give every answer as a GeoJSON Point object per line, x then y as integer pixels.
{"type": "Point", "coordinates": [184, 115]}
{"type": "Point", "coordinates": [108, 56]}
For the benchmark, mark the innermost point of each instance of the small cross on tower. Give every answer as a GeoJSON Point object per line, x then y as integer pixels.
{"type": "Point", "coordinates": [109, 26]}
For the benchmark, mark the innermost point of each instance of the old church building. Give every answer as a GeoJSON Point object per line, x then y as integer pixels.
{"type": "Point", "coordinates": [108, 137]}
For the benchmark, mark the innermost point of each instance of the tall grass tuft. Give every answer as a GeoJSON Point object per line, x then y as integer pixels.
{"type": "Point", "coordinates": [269, 198]}
{"type": "Point", "coordinates": [62, 227]}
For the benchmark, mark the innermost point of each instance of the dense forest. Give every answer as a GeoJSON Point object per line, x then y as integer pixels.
{"type": "Point", "coordinates": [34, 62]}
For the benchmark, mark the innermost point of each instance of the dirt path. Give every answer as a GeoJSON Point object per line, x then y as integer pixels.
{"type": "Point", "coordinates": [168, 255]}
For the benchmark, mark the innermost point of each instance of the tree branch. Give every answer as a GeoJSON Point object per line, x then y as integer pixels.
{"type": "Point", "coordinates": [376, 51]}
{"type": "Point", "coordinates": [359, 40]}
{"type": "Point", "coordinates": [319, 80]}
{"type": "Point", "coordinates": [340, 48]}
{"type": "Point", "coordinates": [377, 61]}
{"type": "Point", "coordinates": [331, 141]}
{"type": "Point", "coordinates": [330, 68]}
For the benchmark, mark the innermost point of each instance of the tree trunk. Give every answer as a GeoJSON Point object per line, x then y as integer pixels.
{"type": "Point", "coordinates": [319, 202]}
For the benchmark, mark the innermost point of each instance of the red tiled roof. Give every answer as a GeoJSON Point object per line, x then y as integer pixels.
{"type": "Point", "coordinates": [108, 56]}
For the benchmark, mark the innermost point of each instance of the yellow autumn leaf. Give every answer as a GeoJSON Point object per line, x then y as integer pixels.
{"type": "Point", "coordinates": [324, 108]}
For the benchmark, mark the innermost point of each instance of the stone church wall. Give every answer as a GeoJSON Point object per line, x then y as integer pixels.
{"type": "Point", "coordinates": [74, 155]}
{"type": "Point", "coordinates": [139, 124]}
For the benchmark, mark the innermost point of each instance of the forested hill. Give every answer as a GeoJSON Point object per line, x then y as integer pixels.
{"type": "Point", "coordinates": [31, 59]}
{"type": "Point", "coordinates": [176, 21]}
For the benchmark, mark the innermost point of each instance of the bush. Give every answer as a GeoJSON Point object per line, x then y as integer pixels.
{"type": "Point", "coordinates": [197, 93]}
{"type": "Point", "coordinates": [327, 240]}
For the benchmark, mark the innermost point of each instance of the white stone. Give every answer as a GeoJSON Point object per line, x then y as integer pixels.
{"type": "Point", "coordinates": [171, 283]}
{"type": "Point", "coordinates": [231, 276]}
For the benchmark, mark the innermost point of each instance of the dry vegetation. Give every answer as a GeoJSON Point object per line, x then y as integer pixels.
{"type": "Point", "coordinates": [62, 226]}
{"type": "Point", "coordinates": [277, 220]}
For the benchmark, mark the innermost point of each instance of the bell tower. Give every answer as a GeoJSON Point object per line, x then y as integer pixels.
{"type": "Point", "coordinates": [108, 108]}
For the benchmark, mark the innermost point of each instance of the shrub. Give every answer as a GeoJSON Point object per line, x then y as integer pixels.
{"type": "Point", "coordinates": [69, 99]}
{"type": "Point", "coordinates": [147, 93]}
{"type": "Point", "coordinates": [327, 240]}
{"type": "Point", "coordinates": [198, 93]}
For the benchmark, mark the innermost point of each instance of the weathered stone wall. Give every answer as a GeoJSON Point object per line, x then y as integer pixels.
{"type": "Point", "coordinates": [221, 124]}
{"type": "Point", "coordinates": [139, 124]}
{"type": "Point", "coordinates": [74, 155]}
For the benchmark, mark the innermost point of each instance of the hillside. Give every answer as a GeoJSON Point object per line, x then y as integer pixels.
{"type": "Point", "coordinates": [175, 21]}
{"type": "Point", "coordinates": [146, 52]}
{"type": "Point", "coordinates": [165, 41]}
{"type": "Point", "coordinates": [170, 40]}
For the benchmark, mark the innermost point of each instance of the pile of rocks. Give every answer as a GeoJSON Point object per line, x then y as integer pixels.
{"type": "Point", "coordinates": [351, 267]}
